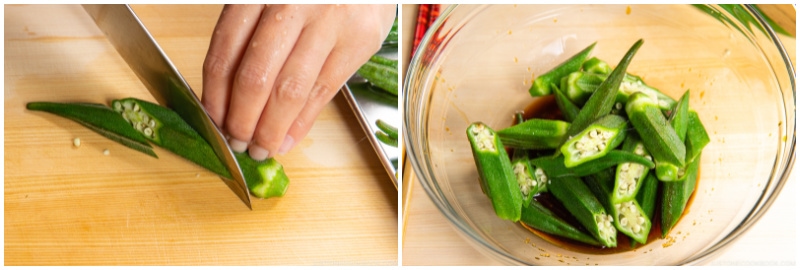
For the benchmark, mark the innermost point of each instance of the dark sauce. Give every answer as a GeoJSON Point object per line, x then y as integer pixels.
{"type": "Point", "coordinates": [546, 108]}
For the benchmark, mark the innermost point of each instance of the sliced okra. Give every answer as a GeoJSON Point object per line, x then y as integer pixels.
{"type": "Point", "coordinates": [100, 119]}
{"type": "Point", "coordinates": [602, 100]}
{"type": "Point", "coordinates": [629, 176]}
{"type": "Point", "coordinates": [266, 178]}
{"type": "Point", "coordinates": [568, 109]}
{"type": "Point", "coordinates": [494, 168]}
{"type": "Point", "coordinates": [601, 136]}
{"type": "Point", "coordinates": [679, 116]}
{"type": "Point", "coordinates": [660, 139]}
{"type": "Point", "coordinates": [534, 134]}
{"type": "Point", "coordinates": [553, 166]}
{"type": "Point", "coordinates": [596, 66]}
{"type": "Point", "coordinates": [675, 195]}
{"type": "Point", "coordinates": [646, 197]}
{"type": "Point", "coordinates": [542, 85]}
{"type": "Point", "coordinates": [165, 128]}
{"type": "Point", "coordinates": [537, 216]}
{"type": "Point", "coordinates": [629, 218]}
{"type": "Point", "coordinates": [630, 84]}
{"type": "Point", "coordinates": [531, 180]}
{"type": "Point", "coordinates": [576, 197]}
{"type": "Point", "coordinates": [696, 137]}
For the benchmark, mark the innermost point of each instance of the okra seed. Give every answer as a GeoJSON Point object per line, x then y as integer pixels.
{"type": "Point", "coordinates": [148, 131]}
{"type": "Point", "coordinates": [637, 228]}
{"type": "Point", "coordinates": [140, 126]}
{"type": "Point", "coordinates": [152, 123]}
{"type": "Point", "coordinates": [127, 105]}
{"type": "Point", "coordinates": [117, 106]}
{"type": "Point", "coordinates": [76, 142]}
{"type": "Point", "coordinates": [623, 221]}
{"type": "Point", "coordinates": [136, 107]}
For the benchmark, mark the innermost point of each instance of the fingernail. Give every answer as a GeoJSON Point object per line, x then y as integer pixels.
{"type": "Point", "coordinates": [237, 145]}
{"type": "Point", "coordinates": [287, 145]}
{"type": "Point", "coordinates": [258, 153]}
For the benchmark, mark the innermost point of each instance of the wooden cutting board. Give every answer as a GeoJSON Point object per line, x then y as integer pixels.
{"type": "Point", "coordinates": [76, 206]}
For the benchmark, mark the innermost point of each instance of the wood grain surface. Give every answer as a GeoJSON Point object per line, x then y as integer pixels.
{"type": "Point", "coordinates": [67, 205]}
{"type": "Point", "coordinates": [430, 239]}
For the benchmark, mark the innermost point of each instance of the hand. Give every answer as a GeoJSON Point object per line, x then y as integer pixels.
{"type": "Point", "coordinates": [270, 69]}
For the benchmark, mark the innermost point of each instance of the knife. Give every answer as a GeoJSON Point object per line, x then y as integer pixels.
{"type": "Point", "coordinates": [135, 44]}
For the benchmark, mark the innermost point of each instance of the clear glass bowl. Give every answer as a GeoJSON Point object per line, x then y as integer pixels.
{"type": "Point", "coordinates": [476, 64]}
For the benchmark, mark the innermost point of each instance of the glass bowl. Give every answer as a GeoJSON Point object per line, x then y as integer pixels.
{"type": "Point", "coordinates": [476, 64]}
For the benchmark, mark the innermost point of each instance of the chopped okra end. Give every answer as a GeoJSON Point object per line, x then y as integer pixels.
{"type": "Point", "coordinates": [630, 217]}
{"type": "Point", "coordinates": [606, 227]}
{"type": "Point", "coordinates": [139, 119]}
{"type": "Point", "coordinates": [485, 138]}
{"type": "Point", "coordinates": [593, 143]}
{"type": "Point", "coordinates": [524, 180]}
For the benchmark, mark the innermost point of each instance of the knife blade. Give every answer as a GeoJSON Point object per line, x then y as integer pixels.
{"type": "Point", "coordinates": [146, 58]}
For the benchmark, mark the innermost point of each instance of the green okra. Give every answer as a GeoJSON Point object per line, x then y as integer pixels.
{"type": "Point", "coordinates": [531, 180]}
{"type": "Point", "coordinates": [675, 195]}
{"type": "Point", "coordinates": [100, 119]}
{"type": "Point", "coordinates": [381, 72]}
{"type": "Point", "coordinates": [568, 109]}
{"type": "Point", "coordinates": [534, 134]}
{"type": "Point", "coordinates": [646, 197]}
{"type": "Point", "coordinates": [660, 139]}
{"type": "Point", "coordinates": [265, 179]}
{"type": "Point", "coordinates": [696, 137]}
{"type": "Point", "coordinates": [629, 176]}
{"type": "Point", "coordinates": [628, 216]}
{"type": "Point", "coordinates": [541, 86]}
{"type": "Point", "coordinates": [596, 66]}
{"type": "Point", "coordinates": [386, 133]}
{"type": "Point", "coordinates": [494, 168]}
{"type": "Point", "coordinates": [165, 128]}
{"type": "Point", "coordinates": [599, 137]}
{"type": "Point", "coordinates": [392, 37]}
{"type": "Point", "coordinates": [537, 216]}
{"type": "Point", "coordinates": [602, 101]}
{"type": "Point", "coordinates": [386, 138]}
{"type": "Point", "coordinates": [576, 197]}
{"type": "Point", "coordinates": [679, 116]}
{"type": "Point", "coordinates": [553, 166]}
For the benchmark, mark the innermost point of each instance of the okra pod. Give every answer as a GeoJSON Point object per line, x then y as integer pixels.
{"type": "Point", "coordinates": [667, 149]}
{"type": "Point", "coordinates": [629, 176]}
{"type": "Point", "coordinates": [629, 219]}
{"type": "Point", "coordinates": [601, 136]}
{"type": "Point", "coordinates": [576, 197]}
{"type": "Point", "coordinates": [679, 117]}
{"type": "Point", "coordinates": [675, 195]}
{"type": "Point", "coordinates": [553, 166]}
{"type": "Point", "coordinates": [696, 137]}
{"type": "Point", "coordinates": [381, 72]}
{"type": "Point", "coordinates": [596, 66]}
{"type": "Point", "coordinates": [494, 168]}
{"type": "Point", "coordinates": [542, 85]}
{"type": "Point", "coordinates": [386, 138]}
{"type": "Point", "coordinates": [568, 109]}
{"type": "Point", "coordinates": [537, 216]}
{"type": "Point", "coordinates": [602, 100]}
{"type": "Point", "coordinates": [165, 128]}
{"type": "Point", "coordinates": [387, 134]}
{"type": "Point", "coordinates": [534, 134]}
{"type": "Point", "coordinates": [531, 180]}
{"type": "Point", "coordinates": [100, 119]}
{"type": "Point", "coordinates": [646, 197]}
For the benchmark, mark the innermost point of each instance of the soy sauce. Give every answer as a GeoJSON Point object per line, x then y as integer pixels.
{"type": "Point", "coordinates": [546, 108]}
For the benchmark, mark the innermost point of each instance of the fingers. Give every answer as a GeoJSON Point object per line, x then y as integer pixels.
{"type": "Point", "coordinates": [265, 54]}
{"type": "Point", "coordinates": [228, 42]}
{"type": "Point", "coordinates": [291, 91]}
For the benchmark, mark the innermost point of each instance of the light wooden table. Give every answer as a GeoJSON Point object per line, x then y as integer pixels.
{"type": "Point", "coordinates": [76, 206]}
{"type": "Point", "coordinates": [429, 239]}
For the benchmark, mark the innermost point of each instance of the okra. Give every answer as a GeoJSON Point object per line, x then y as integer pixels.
{"type": "Point", "coordinates": [553, 166]}
{"type": "Point", "coordinates": [675, 195]}
{"type": "Point", "coordinates": [494, 168]}
{"type": "Point", "coordinates": [696, 137]}
{"type": "Point", "coordinates": [266, 178]}
{"type": "Point", "coordinates": [165, 128]}
{"type": "Point", "coordinates": [537, 216]}
{"type": "Point", "coordinates": [534, 134]}
{"type": "Point", "coordinates": [579, 86]}
{"type": "Point", "coordinates": [568, 109]}
{"type": "Point", "coordinates": [646, 197]}
{"type": "Point", "coordinates": [576, 197]}
{"type": "Point", "coordinates": [630, 84]}
{"type": "Point", "coordinates": [596, 66]}
{"type": "Point", "coordinates": [602, 100]}
{"type": "Point", "coordinates": [381, 72]}
{"type": "Point", "coordinates": [531, 180]}
{"type": "Point", "coordinates": [629, 176]}
{"type": "Point", "coordinates": [386, 138]}
{"type": "Point", "coordinates": [679, 117]}
{"type": "Point", "coordinates": [629, 219]}
{"type": "Point", "coordinates": [667, 149]}
{"type": "Point", "coordinates": [595, 140]}
{"type": "Point", "coordinates": [542, 85]}
{"type": "Point", "coordinates": [387, 134]}
{"type": "Point", "coordinates": [100, 119]}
